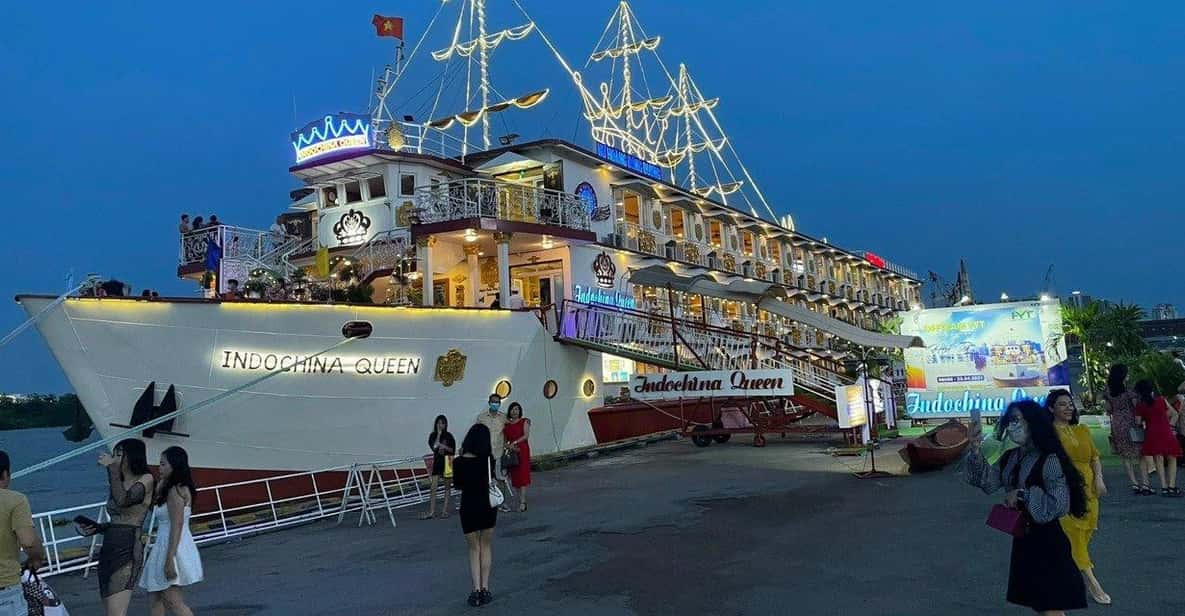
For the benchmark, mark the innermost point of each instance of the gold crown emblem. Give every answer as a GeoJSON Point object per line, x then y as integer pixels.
{"type": "Point", "coordinates": [604, 270]}
{"type": "Point", "coordinates": [450, 367]}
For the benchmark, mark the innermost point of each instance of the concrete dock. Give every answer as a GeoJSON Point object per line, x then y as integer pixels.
{"type": "Point", "coordinates": [675, 529]}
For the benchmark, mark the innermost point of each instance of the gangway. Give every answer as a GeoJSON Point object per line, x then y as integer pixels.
{"type": "Point", "coordinates": [683, 345]}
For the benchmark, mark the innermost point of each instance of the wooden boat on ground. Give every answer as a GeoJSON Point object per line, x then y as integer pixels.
{"type": "Point", "coordinates": [936, 448]}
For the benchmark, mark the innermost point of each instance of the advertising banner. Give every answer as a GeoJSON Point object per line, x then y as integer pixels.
{"type": "Point", "coordinates": [711, 384]}
{"type": "Point", "coordinates": [983, 357]}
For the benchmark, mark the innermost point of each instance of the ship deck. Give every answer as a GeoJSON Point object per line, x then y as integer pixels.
{"type": "Point", "coordinates": [675, 529]}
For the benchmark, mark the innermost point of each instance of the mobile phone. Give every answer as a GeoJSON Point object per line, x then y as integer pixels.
{"type": "Point", "coordinates": [85, 521]}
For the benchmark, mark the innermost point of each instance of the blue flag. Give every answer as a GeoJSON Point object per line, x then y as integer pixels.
{"type": "Point", "coordinates": [213, 255]}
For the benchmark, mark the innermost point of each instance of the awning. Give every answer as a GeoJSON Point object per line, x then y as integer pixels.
{"type": "Point", "coordinates": [768, 297]}
{"type": "Point", "coordinates": [507, 162]}
{"type": "Point", "coordinates": [643, 188]}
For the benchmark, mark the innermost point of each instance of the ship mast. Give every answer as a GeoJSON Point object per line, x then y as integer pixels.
{"type": "Point", "coordinates": [478, 48]}
{"type": "Point", "coordinates": [677, 128]}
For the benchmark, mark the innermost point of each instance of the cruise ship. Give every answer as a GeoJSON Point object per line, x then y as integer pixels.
{"type": "Point", "coordinates": [472, 262]}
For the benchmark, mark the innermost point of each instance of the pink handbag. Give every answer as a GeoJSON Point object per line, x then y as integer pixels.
{"type": "Point", "coordinates": [1008, 520]}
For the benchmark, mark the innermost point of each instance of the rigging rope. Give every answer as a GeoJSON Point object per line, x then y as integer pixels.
{"type": "Point", "coordinates": [41, 313]}
{"type": "Point", "coordinates": [135, 431]}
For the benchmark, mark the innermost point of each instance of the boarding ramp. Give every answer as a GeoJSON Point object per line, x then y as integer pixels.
{"type": "Point", "coordinates": [685, 345]}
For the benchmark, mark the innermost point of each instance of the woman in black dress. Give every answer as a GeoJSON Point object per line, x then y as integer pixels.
{"type": "Point", "coordinates": [443, 446]}
{"type": "Point", "coordinates": [472, 473]}
{"type": "Point", "coordinates": [1041, 481]}
{"type": "Point", "coordinates": [130, 488]}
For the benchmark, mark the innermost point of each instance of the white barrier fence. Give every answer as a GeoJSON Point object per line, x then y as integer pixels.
{"type": "Point", "coordinates": [303, 498]}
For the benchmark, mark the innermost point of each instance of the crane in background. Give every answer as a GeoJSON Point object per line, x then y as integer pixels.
{"type": "Point", "coordinates": [952, 294]}
{"type": "Point", "coordinates": [1048, 289]}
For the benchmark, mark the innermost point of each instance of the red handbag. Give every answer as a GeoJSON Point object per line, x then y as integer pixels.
{"type": "Point", "coordinates": [1008, 520]}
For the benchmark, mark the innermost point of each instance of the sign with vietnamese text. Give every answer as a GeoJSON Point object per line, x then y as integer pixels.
{"type": "Point", "coordinates": [629, 161]}
{"type": "Point", "coordinates": [711, 384]}
{"type": "Point", "coordinates": [983, 357]}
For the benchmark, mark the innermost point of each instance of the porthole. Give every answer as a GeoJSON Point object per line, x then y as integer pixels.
{"type": "Point", "coordinates": [502, 389]}
{"type": "Point", "coordinates": [550, 389]}
{"type": "Point", "coordinates": [589, 388]}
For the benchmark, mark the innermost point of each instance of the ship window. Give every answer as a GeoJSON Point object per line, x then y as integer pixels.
{"type": "Point", "coordinates": [407, 184]}
{"type": "Point", "coordinates": [502, 389]}
{"type": "Point", "coordinates": [677, 221]}
{"type": "Point", "coordinates": [775, 251]}
{"type": "Point", "coordinates": [747, 242]}
{"type": "Point", "coordinates": [329, 197]}
{"type": "Point", "coordinates": [377, 187]}
{"type": "Point", "coordinates": [631, 207]}
{"type": "Point", "coordinates": [550, 389]}
{"type": "Point", "coordinates": [714, 232]}
{"type": "Point", "coordinates": [353, 192]}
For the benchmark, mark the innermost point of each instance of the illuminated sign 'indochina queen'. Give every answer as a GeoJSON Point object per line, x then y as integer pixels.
{"type": "Point", "coordinates": [333, 133]}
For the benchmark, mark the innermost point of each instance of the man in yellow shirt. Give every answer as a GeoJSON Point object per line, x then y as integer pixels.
{"type": "Point", "coordinates": [16, 533]}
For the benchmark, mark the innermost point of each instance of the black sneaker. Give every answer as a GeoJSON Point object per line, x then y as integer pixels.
{"type": "Point", "coordinates": [485, 596]}
{"type": "Point", "coordinates": [475, 598]}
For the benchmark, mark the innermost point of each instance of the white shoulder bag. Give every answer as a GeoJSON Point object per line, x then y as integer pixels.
{"type": "Point", "coordinates": [496, 498]}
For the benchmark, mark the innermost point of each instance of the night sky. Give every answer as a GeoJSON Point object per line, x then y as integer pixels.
{"type": "Point", "coordinates": [1012, 134]}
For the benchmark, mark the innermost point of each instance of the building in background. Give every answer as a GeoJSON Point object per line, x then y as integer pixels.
{"type": "Point", "coordinates": [1164, 312]}
{"type": "Point", "coordinates": [1164, 334]}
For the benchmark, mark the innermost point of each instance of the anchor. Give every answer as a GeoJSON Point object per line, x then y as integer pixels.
{"type": "Point", "coordinates": [145, 410]}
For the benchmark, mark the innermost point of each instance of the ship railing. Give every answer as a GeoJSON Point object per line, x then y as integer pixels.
{"type": "Point", "coordinates": [482, 198]}
{"type": "Point", "coordinates": [289, 500]}
{"type": "Point", "coordinates": [236, 242]}
{"type": "Point", "coordinates": [424, 139]}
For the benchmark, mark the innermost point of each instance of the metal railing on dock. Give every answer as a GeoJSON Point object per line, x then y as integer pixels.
{"type": "Point", "coordinates": [289, 500]}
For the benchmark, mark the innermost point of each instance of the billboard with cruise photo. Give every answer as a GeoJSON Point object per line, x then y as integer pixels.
{"type": "Point", "coordinates": [983, 356]}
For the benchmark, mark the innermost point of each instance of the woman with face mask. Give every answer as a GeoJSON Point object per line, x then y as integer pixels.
{"type": "Point", "coordinates": [1040, 481]}
{"type": "Point", "coordinates": [1076, 440]}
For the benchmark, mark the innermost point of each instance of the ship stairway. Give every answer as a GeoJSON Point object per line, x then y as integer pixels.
{"type": "Point", "coordinates": [685, 345]}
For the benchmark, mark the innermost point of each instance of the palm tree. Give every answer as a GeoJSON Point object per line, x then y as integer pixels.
{"type": "Point", "coordinates": [1082, 322]}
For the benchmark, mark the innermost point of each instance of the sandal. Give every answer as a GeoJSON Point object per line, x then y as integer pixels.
{"type": "Point", "coordinates": [1146, 491]}
{"type": "Point", "coordinates": [475, 598]}
{"type": "Point", "coordinates": [1175, 492]}
{"type": "Point", "coordinates": [1135, 489]}
{"type": "Point", "coordinates": [504, 509]}
{"type": "Point", "coordinates": [427, 516]}
{"type": "Point", "coordinates": [522, 508]}
{"type": "Point", "coordinates": [444, 514]}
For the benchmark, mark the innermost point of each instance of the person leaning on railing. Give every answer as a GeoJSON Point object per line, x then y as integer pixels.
{"type": "Point", "coordinates": [16, 535]}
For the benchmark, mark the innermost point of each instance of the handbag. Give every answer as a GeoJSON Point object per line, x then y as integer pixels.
{"type": "Point", "coordinates": [1008, 520]}
{"type": "Point", "coordinates": [496, 498]}
{"type": "Point", "coordinates": [40, 597]}
{"type": "Point", "coordinates": [448, 467]}
{"type": "Point", "coordinates": [509, 460]}
{"type": "Point", "coordinates": [1136, 434]}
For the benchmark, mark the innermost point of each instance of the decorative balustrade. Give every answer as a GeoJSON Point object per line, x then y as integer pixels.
{"type": "Point", "coordinates": [480, 198]}
{"type": "Point", "coordinates": [236, 242]}
{"type": "Point", "coordinates": [383, 251]}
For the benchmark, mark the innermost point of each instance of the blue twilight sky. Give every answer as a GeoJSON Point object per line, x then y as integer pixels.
{"type": "Point", "coordinates": [1014, 134]}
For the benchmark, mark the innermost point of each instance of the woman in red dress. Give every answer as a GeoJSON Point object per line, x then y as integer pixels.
{"type": "Point", "coordinates": [517, 433]}
{"type": "Point", "coordinates": [1160, 445]}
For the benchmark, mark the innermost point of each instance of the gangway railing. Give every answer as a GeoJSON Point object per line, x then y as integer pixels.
{"type": "Point", "coordinates": [682, 344]}
{"type": "Point", "coordinates": [288, 500]}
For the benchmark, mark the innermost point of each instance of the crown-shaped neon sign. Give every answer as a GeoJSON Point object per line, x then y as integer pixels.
{"type": "Point", "coordinates": [333, 133]}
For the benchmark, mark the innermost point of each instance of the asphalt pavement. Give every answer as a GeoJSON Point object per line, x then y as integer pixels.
{"type": "Point", "coordinates": [675, 529]}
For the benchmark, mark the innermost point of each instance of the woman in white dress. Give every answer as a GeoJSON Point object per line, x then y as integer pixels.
{"type": "Point", "coordinates": [174, 561]}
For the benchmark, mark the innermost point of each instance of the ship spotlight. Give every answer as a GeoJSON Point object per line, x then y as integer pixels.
{"type": "Point", "coordinates": [357, 329]}
{"type": "Point", "coordinates": [470, 235]}
{"type": "Point", "coordinates": [1003, 297]}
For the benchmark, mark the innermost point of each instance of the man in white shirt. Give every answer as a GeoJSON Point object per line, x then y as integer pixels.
{"type": "Point", "coordinates": [493, 419]}
{"type": "Point", "coordinates": [516, 301]}
{"type": "Point", "coordinates": [277, 231]}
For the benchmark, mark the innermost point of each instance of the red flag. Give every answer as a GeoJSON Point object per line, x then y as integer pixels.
{"type": "Point", "coordinates": [388, 26]}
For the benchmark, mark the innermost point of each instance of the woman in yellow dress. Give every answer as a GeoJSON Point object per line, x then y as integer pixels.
{"type": "Point", "coordinates": [1079, 445]}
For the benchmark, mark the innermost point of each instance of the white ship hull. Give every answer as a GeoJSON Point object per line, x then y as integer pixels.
{"type": "Point", "coordinates": [371, 399]}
